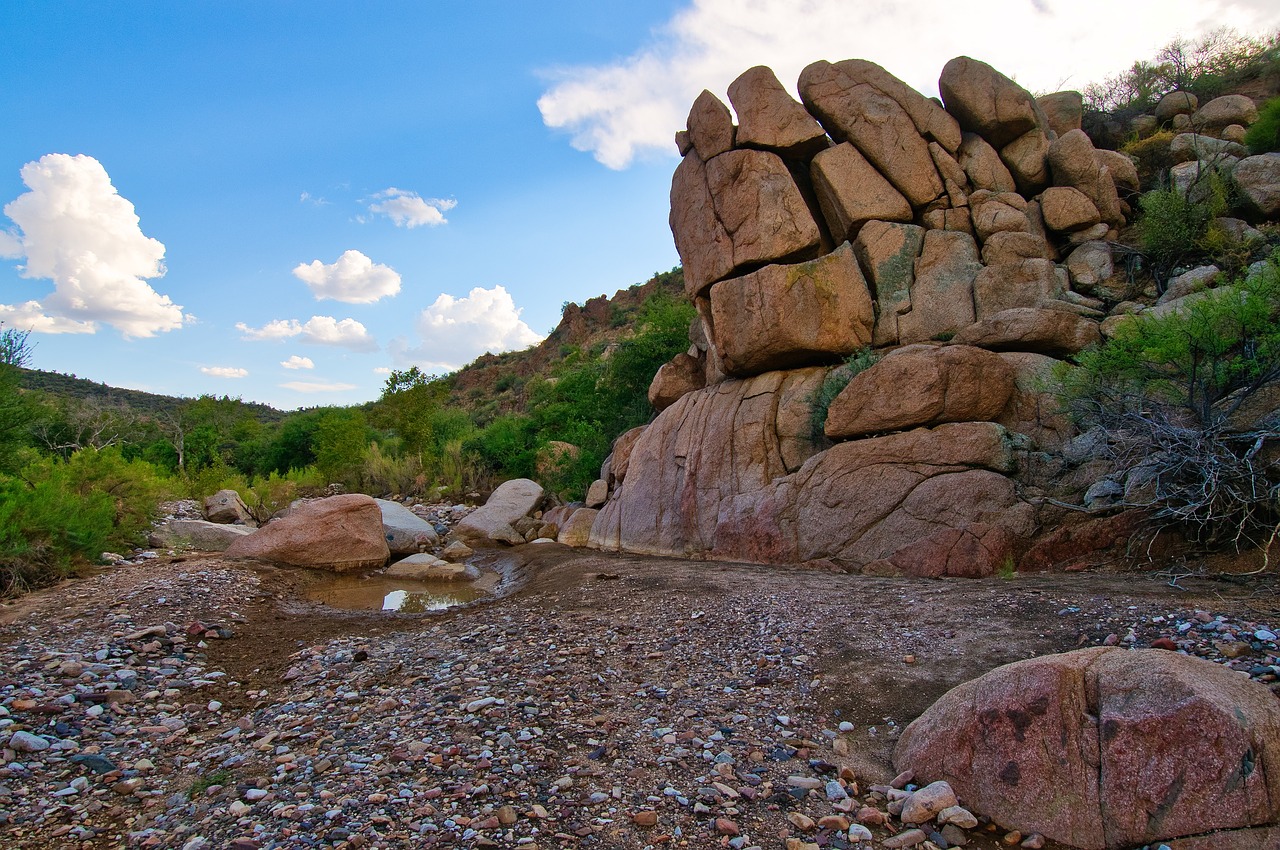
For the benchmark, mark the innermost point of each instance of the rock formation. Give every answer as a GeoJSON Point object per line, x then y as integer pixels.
{"type": "Point", "coordinates": [340, 533]}
{"type": "Point", "coordinates": [967, 244]}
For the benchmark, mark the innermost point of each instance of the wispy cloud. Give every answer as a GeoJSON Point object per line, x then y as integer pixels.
{"type": "Point", "coordinates": [225, 371]}
{"type": "Point", "coordinates": [75, 229]}
{"type": "Point", "coordinates": [317, 387]}
{"type": "Point", "coordinates": [318, 330]}
{"type": "Point", "coordinates": [353, 278]}
{"type": "Point", "coordinates": [409, 209]}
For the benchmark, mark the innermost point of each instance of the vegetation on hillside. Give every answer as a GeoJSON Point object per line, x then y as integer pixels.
{"type": "Point", "coordinates": [83, 466]}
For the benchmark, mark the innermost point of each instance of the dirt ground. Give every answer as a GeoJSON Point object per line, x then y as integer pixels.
{"type": "Point", "coordinates": [788, 654]}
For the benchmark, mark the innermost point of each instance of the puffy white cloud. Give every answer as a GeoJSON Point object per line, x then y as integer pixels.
{"type": "Point", "coordinates": [225, 371]}
{"type": "Point", "coordinates": [409, 209]}
{"type": "Point", "coordinates": [317, 386]}
{"type": "Point", "coordinates": [296, 362]}
{"type": "Point", "coordinates": [318, 330]}
{"type": "Point", "coordinates": [633, 106]}
{"type": "Point", "coordinates": [455, 331]}
{"type": "Point", "coordinates": [30, 316]}
{"type": "Point", "coordinates": [354, 279]}
{"type": "Point", "coordinates": [75, 229]}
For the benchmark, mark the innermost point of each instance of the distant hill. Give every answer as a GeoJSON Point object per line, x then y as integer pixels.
{"type": "Point", "coordinates": [493, 383]}
{"type": "Point", "coordinates": [150, 404]}
{"type": "Point", "coordinates": [489, 385]}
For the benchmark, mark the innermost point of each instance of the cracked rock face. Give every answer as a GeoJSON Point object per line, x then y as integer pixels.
{"type": "Point", "coordinates": [1106, 748]}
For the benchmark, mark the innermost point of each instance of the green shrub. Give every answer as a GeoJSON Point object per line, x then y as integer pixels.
{"type": "Point", "coordinates": [832, 385]}
{"type": "Point", "coordinates": [1263, 135]}
{"type": "Point", "coordinates": [1167, 389]}
{"type": "Point", "coordinates": [1152, 156]}
{"type": "Point", "coordinates": [1173, 226]}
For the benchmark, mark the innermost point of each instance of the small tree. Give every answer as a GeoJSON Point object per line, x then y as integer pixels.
{"type": "Point", "coordinates": [1168, 389]}
{"type": "Point", "coordinates": [15, 347]}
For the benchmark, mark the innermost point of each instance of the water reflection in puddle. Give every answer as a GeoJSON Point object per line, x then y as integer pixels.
{"type": "Point", "coordinates": [380, 593]}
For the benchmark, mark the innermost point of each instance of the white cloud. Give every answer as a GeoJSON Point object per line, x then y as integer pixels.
{"type": "Point", "coordinates": [10, 245]}
{"type": "Point", "coordinates": [633, 106]}
{"type": "Point", "coordinates": [296, 362]}
{"type": "Point", "coordinates": [30, 317]}
{"type": "Point", "coordinates": [225, 371]}
{"type": "Point", "coordinates": [455, 331]}
{"type": "Point", "coordinates": [76, 230]}
{"type": "Point", "coordinates": [354, 279]}
{"type": "Point", "coordinates": [382, 370]}
{"type": "Point", "coordinates": [318, 330]}
{"type": "Point", "coordinates": [308, 198]}
{"type": "Point", "coordinates": [409, 209]}
{"type": "Point", "coordinates": [317, 387]}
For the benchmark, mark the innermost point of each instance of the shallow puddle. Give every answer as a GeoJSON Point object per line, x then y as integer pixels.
{"type": "Point", "coordinates": [384, 593]}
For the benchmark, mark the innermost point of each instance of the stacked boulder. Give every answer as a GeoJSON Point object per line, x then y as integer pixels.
{"type": "Point", "coordinates": [957, 235]}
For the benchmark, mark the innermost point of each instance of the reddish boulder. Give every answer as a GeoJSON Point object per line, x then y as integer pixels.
{"type": "Point", "coordinates": [985, 101]}
{"type": "Point", "coordinates": [1072, 159]}
{"type": "Point", "coordinates": [682, 374]}
{"type": "Point", "coordinates": [1105, 748]}
{"type": "Point", "coordinates": [1055, 332]}
{"type": "Point", "coordinates": [340, 533]}
{"type": "Point", "coordinates": [851, 192]}
{"type": "Point", "coordinates": [705, 247]}
{"type": "Point", "coordinates": [782, 317]}
{"type": "Point", "coordinates": [931, 121]}
{"type": "Point", "coordinates": [770, 118]}
{"type": "Point", "coordinates": [761, 208]}
{"type": "Point", "coordinates": [887, 252]}
{"type": "Point", "coordinates": [921, 385]}
{"type": "Point", "coordinates": [876, 125]}
{"type": "Point", "coordinates": [942, 291]}
{"type": "Point", "coordinates": [710, 126]}
{"type": "Point", "coordinates": [1064, 110]}
{"type": "Point", "coordinates": [982, 165]}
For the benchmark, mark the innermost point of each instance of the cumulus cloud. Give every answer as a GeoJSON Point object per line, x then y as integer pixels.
{"type": "Point", "coordinates": [30, 316]}
{"type": "Point", "coordinates": [76, 230]}
{"type": "Point", "coordinates": [631, 107]}
{"type": "Point", "coordinates": [225, 371]}
{"type": "Point", "coordinates": [455, 331]}
{"type": "Point", "coordinates": [317, 386]}
{"type": "Point", "coordinates": [354, 279]}
{"type": "Point", "coordinates": [318, 330]}
{"type": "Point", "coordinates": [296, 362]}
{"type": "Point", "coordinates": [409, 209]}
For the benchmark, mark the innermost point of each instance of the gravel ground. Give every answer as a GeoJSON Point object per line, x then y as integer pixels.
{"type": "Point", "coordinates": [611, 702]}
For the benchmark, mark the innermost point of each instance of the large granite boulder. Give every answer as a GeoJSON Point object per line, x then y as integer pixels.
{"type": "Point", "coordinates": [1258, 179]}
{"type": "Point", "coordinates": [986, 102]}
{"type": "Point", "coordinates": [340, 534]}
{"type": "Point", "coordinates": [887, 252]}
{"type": "Point", "coordinates": [1072, 159]}
{"type": "Point", "coordinates": [1176, 103]}
{"type": "Point", "coordinates": [576, 530]}
{"type": "Point", "coordinates": [1064, 110]}
{"type": "Point", "coordinates": [781, 317]}
{"type": "Point", "coordinates": [710, 126]}
{"type": "Point", "coordinates": [198, 534]}
{"type": "Point", "coordinates": [1224, 111]}
{"type": "Point", "coordinates": [1021, 283]}
{"type": "Point", "coordinates": [682, 374]}
{"type": "Point", "coordinates": [1106, 747]}
{"type": "Point", "coordinates": [1038, 329]}
{"type": "Point", "coordinates": [511, 502]}
{"type": "Point", "coordinates": [942, 290]}
{"type": "Point", "coordinates": [852, 192]}
{"type": "Point", "coordinates": [741, 208]}
{"type": "Point", "coordinates": [770, 118]}
{"type": "Point", "coordinates": [983, 166]}
{"type": "Point", "coordinates": [931, 121]}
{"type": "Point", "coordinates": [921, 385]}
{"type": "Point", "coordinates": [1067, 209]}
{"type": "Point", "coordinates": [226, 506]}
{"type": "Point", "coordinates": [406, 532]}
{"type": "Point", "coordinates": [876, 125]}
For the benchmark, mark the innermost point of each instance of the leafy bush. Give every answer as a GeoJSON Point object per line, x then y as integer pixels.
{"type": "Point", "coordinates": [1167, 390]}
{"type": "Point", "coordinates": [1263, 135]}
{"type": "Point", "coordinates": [832, 385]}
{"type": "Point", "coordinates": [1152, 156]}
{"type": "Point", "coordinates": [1173, 225]}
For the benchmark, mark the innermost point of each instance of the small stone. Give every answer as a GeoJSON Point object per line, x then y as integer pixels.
{"type": "Point", "coordinates": [1012, 838]}
{"type": "Point", "coordinates": [910, 838]}
{"type": "Point", "coordinates": [25, 742]}
{"type": "Point", "coordinates": [958, 816]}
{"type": "Point", "coordinates": [253, 795]}
{"type": "Point", "coordinates": [801, 821]}
{"type": "Point", "coordinates": [1034, 841]}
{"type": "Point", "coordinates": [809, 783]}
{"type": "Point", "coordinates": [645, 818]}
{"type": "Point", "coordinates": [838, 823]}
{"type": "Point", "coordinates": [858, 832]}
{"type": "Point", "coordinates": [724, 826]}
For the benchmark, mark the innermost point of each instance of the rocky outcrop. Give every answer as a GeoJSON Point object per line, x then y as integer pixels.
{"type": "Point", "coordinates": [974, 235]}
{"type": "Point", "coordinates": [406, 532]}
{"type": "Point", "coordinates": [782, 317]}
{"type": "Point", "coordinates": [495, 521]}
{"type": "Point", "coordinates": [340, 534]}
{"type": "Point", "coordinates": [198, 534]}
{"type": "Point", "coordinates": [1105, 748]}
{"type": "Point", "coordinates": [226, 506]}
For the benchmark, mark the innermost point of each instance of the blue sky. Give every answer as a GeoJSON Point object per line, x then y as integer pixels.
{"type": "Point", "coordinates": [335, 189]}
